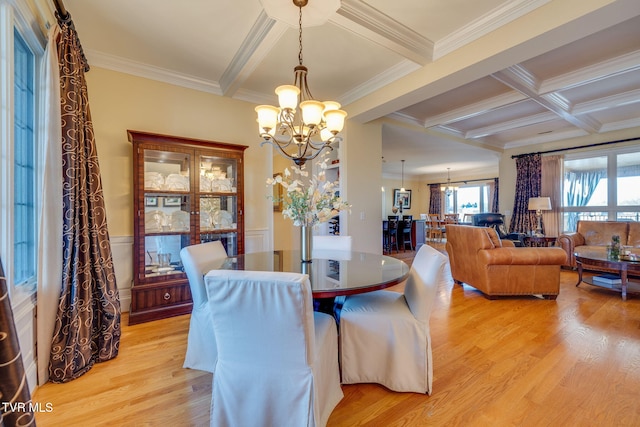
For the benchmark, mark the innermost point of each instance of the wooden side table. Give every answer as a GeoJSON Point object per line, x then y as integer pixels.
{"type": "Point", "coordinates": [540, 242]}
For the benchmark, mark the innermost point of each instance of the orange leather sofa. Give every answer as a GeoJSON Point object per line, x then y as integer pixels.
{"type": "Point", "coordinates": [591, 235]}
{"type": "Point", "coordinates": [497, 268]}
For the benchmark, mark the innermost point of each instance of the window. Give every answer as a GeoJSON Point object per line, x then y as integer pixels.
{"type": "Point", "coordinates": [24, 171]}
{"type": "Point", "coordinates": [601, 187]}
{"type": "Point", "coordinates": [469, 199]}
{"type": "Point", "coordinates": [21, 48]}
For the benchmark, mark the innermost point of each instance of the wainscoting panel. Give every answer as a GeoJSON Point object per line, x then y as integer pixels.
{"type": "Point", "coordinates": [257, 240]}
{"type": "Point", "coordinates": [122, 250]}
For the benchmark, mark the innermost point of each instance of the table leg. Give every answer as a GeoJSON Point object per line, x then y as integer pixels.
{"type": "Point", "coordinates": [579, 264]}
{"type": "Point", "coordinates": [623, 276]}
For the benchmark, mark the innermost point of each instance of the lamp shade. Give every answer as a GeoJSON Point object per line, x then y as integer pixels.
{"type": "Point", "coordinates": [287, 96]}
{"type": "Point", "coordinates": [539, 204]}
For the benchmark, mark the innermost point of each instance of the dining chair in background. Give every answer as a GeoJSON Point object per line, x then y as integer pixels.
{"type": "Point", "coordinates": [277, 361]}
{"type": "Point", "coordinates": [197, 261]}
{"type": "Point", "coordinates": [405, 227]}
{"type": "Point", "coordinates": [435, 228]}
{"type": "Point", "coordinates": [392, 234]}
{"type": "Point", "coordinates": [384, 335]}
{"type": "Point", "coordinates": [451, 218]}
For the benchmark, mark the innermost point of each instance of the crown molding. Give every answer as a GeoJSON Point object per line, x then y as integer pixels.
{"type": "Point", "coordinates": [388, 76]}
{"type": "Point", "coordinates": [360, 18]}
{"type": "Point", "coordinates": [485, 24]}
{"type": "Point", "coordinates": [127, 66]}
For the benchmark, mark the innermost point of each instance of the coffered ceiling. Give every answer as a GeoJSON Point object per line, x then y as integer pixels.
{"type": "Point", "coordinates": [456, 82]}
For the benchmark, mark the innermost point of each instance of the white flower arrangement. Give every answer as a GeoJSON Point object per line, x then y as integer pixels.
{"type": "Point", "coordinates": [308, 201]}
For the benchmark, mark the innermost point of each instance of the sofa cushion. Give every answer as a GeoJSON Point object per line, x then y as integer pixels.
{"type": "Point", "coordinates": [634, 234]}
{"type": "Point", "coordinates": [598, 233]}
{"type": "Point", "coordinates": [493, 236]}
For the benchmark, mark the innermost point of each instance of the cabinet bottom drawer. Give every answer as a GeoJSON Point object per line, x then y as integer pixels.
{"type": "Point", "coordinates": [151, 303]}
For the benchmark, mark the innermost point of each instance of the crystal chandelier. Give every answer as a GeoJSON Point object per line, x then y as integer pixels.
{"type": "Point", "coordinates": [448, 189]}
{"type": "Point", "coordinates": [302, 136]}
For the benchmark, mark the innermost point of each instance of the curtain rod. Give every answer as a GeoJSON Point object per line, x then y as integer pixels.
{"type": "Point", "coordinates": [64, 16]}
{"type": "Point", "coordinates": [557, 150]}
{"type": "Point", "coordinates": [61, 9]}
{"type": "Point", "coordinates": [466, 181]}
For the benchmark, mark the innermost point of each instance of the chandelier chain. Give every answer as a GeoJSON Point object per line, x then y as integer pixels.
{"type": "Point", "coordinates": [300, 36]}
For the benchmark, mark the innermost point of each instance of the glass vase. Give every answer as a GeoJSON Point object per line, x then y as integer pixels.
{"type": "Point", "coordinates": [306, 243]}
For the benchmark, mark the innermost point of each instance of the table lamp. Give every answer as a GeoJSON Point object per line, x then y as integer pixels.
{"type": "Point", "coordinates": [539, 204]}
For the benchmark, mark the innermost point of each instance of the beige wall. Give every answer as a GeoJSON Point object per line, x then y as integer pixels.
{"type": "Point", "coordinates": [362, 180]}
{"type": "Point", "coordinates": [419, 196]}
{"type": "Point", "coordinates": [120, 101]}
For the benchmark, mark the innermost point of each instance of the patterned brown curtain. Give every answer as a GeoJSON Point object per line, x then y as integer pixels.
{"type": "Point", "coordinates": [528, 184]}
{"type": "Point", "coordinates": [435, 199]}
{"type": "Point", "coordinates": [14, 390]}
{"type": "Point", "coordinates": [87, 327]}
{"type": "Point", "coordinates": [495, 196]}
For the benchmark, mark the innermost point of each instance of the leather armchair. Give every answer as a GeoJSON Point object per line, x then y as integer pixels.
{"type": "Point", "coordinates": [496, 268]}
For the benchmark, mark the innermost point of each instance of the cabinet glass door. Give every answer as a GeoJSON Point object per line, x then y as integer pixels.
{"type": "Point", "coordinates": [167, 211]}
{"type": "Point", "coordinates": [218, 201]}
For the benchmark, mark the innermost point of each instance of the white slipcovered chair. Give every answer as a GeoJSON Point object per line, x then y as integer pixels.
{"type": "Point", "coordinates": [384, 335]}
{"type": "Point", "coordinates": [197, 261]}
{"type": "Point", "coordinates": [277, 360]}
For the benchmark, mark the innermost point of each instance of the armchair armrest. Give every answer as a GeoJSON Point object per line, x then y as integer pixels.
{"type": "Point", "coordinates": [522, 256]}
{"type": "Point", "coordinates": [568, 242]}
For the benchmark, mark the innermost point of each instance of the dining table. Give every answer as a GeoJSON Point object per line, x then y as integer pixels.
{"type": "Point", "coordinates": [331, 273]}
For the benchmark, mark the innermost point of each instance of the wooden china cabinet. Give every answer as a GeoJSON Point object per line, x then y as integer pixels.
{"type": "Point", "coordinates": [185, 191]}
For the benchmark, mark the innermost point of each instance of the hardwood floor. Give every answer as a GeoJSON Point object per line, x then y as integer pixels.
{"type": "Point", "coordinates": [525, 361]}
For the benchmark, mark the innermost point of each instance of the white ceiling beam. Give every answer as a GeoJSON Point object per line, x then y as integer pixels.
{"type": "Point", "coordinates": [623, 124]}
{"type": "Point", "coordinates": [611, 67]}
{"type": "Point", "coordinates": [613, 101]}
{"type": "Point", "coordinates": [373, 25]}
{"type": "Point", "coordinates": [476, 109]}
{"type": "Point", "coordinates": [518, 78]}
{"type": "Point", "coordinates": [262, 38]}
{"type": "Point", "coordinates": [510, 124]}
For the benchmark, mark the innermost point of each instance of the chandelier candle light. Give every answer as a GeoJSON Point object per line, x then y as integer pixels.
{"type": "Point", "coordinates": [449, 188]}
{"type": "Point", "coordinates": [300, 135]}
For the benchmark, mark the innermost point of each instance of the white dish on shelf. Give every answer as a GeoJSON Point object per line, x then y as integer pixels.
{"type": "Point", "coordinates": [180, 221]}
{"type": "Point", "coordinates": [222, 219]}
{"type": "Point", "coordinates": [164, 269]}
{"type": "Point", "coordinates": [177, 182]}
{"type": "Point", "coordinates": [153, 181]}
{"type": "Point", "coordinates": [221, 185]}
{"type": "Point", "coordinates": [153, 221]}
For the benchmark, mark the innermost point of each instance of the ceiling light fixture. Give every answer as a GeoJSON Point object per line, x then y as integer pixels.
{"type": "Point", "coordinates": [448, 189]}
{"type": "Point", "coordinates": [402, 187]}
{"type": "Point", "coordinates": [300, 137]}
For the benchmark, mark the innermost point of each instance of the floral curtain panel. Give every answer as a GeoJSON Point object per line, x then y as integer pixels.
{"type": "Point", "coordinates": [494, 195]}
{"type": "Point", "coordinates": [87, 325]}
{"type": "Point", "coordinates": [528, 184]}
{"type": "Point", "coordinates": [14, 390]}
{"type": "Point", "coordinates": [435, 199]}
